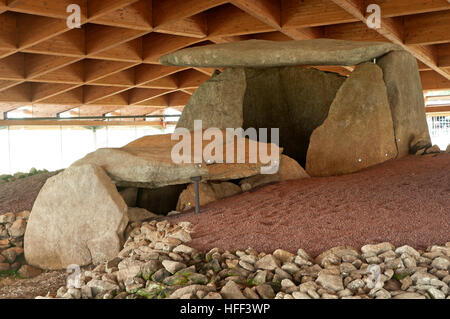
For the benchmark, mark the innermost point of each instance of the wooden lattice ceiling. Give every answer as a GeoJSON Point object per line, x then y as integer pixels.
{"type": "Point", "coordinates": [110, 64]}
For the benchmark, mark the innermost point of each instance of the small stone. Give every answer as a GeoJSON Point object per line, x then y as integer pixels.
{"type": "Point", "coordinates": [330, 280]}
{"type": "Point", "coordinates": [435, 293]}
{"type": "Point", "coordinates": [267, 262]}
{"type": "Point", "coordinates": [9, 254]}
{"type": "Point", "coordinates": [377, 249]}
{"type": "Point", "coordinates": [356, 284]}
{"type": "Point", "coordinates": [302, 261]}
{"type": "Point", "coordinates": [329, 296]}
{"type": "Point", "coordinates": [74, 292]}
{"type": "Point", "coordinates": [231, 291]}
{"type": "Point", "coordinates": [27, 271]}
{"type": "Point", "coordinates": [24, 214]}
{"type": "Point", "coordinates": [407, 250]}
{"type": "Point", "coordinates": [183, 249]}
{"type": "Point", "coordinates": [409, 295]}
{"type": "Point", "coordinates": [303, 254]}
{"type": "Point", "coordinates": [17, 229]}
{"type": "Point", "coordinates": [313, 294]}
{"type": "Point", "coordinates": [7, 218]}
{"type": "Point", "coordinates": [392, 285]}
{"type": "Point", "coordinates": [300, 295]}
{"type": "Point", "coordinates": [100, 287]}
{"type": "Point", "coordinates": [433, 149]}
{"type": "Point", "coordinates": [346, 268]}
{"type": "Point", "coordinates": [423, 278]}
{"type": "Point", "coordinates": [250, 293]}
{"type": "Point", "coordinates": [290, 268]}
{"type": "Point", "coordinates": [265, 291]}
{"type": "Point", "coordinates": [441, 263]}
{"type": "Point", "coordinates": [181, 235]}
{"type": "Point", "coordinates": [380, 293]}
{"type": "Point", "coordinates": [246, 265]}
{"type": "Point", "coordinates": [345, 293]}
{"type": "Point", "coordinates": [149, 268]}
{"type": "Point", "coordinates": [86, 292]}
{"type": "Point", "coordinates": [212, 295]}
{"type": "Point", "coordinates": [4, 243]}
{"type": "Point", "coordinates": [287, 283]}
{"type": "Point", "coordinates": [283, 255]}
{"type": "Point", "coordinates": [260, 277]}
{"type": "Point", "coordinates": [173, 266]}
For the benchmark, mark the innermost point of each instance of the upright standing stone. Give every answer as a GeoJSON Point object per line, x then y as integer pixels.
{"type": "Point", "coordinates": [217, 102]}
{"type": "Point", "coordinates": [404, 88]}
{"type": "Point", "coordinates": [358, 131]}
{"type": "Point", "coordinates": [77, 218]}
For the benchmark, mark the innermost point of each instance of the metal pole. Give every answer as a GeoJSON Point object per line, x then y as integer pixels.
{"type": "Point", "coordinates": [196, 181]}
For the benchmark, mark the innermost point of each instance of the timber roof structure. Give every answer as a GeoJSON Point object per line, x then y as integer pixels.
{"type": "Point", "coordinates": [109, 65]}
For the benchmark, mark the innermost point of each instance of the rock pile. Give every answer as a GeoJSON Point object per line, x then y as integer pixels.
{"type": "Point", "coordinates": [156, 262]}
{"type": "Point", "coordinates": [12, 230]}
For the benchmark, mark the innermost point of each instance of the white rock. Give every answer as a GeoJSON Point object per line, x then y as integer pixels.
{"type": "Point", "coordinates": [267, 262]}
{"type": "Point", "coordinates": [441, 263]}
{"type": "Point", "coordinates": [300, 295]}
{"type": "Point", "coordinates": [407, 250]}
{"type": "Point", "coordinates": [436, 293]}
{"type": "Point", "coordinates": [377, 249]}
{"type": "Point", "coordinates": [101, 286]}
{"type": "Point", "coordinates": [173, 266]}
{"type": "Point", "coordinates": [78, 218]}
{"type": "Point", "coordinates": [231, 291]}
{"type": "Point", "coordinates": [330, 280]}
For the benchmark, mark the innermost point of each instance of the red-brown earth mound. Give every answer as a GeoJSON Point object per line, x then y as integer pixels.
{"type": "Point", "coordinates": [404, 201]}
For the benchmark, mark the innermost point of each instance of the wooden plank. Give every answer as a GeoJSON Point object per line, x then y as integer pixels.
{"type": "Point", "coordinates": [17, 94]}
{"type": "Point", "coordinates": [178, 99]}
{"type": "Point", "coordinates": [156, 44]}
{"type": "Point", "coordinates": [311, 13]}
{"type": "Point", "coordinates": [97, 69]}
{"type": "Point", "coordinates": [356, 31]}
{"type": "Point", "coordinates": [42, 91]}
{"type": "Point", "coordinates": [160, 101]}
{"type": "Point", "coordinates": [443, 55]}
{"type": "Point", "coordinates": [70, 74]}
{"type": "Point", "coordinates": [428, 28]}
{"type": "Point", "coordinates": [137, 16]}
{"type": "Point", "coordinates": [8, 36]}
{"type": "Point", "coordinates": [94, 93]}
{"type": "Point", "coordinates": [100, 38]}
{"type": "Point", "coordinates": [194, 27]}
{"type": "Point", "coordinates": [139, 95]}
{"type": "Point", "coordinates": [391, 29]}
{"type": "Point", "coordinates": [434, 81]}
{"type": "Point", "coordinates": [438, 109]}
{"type": "Point", "coordinates": [130, 51]}
{"type": "Point", "coordinates": [228, 20]}
{"type": "Point", "coordinates": [150, 72]}
{"type": "Point", "coordinates": [123, 78]}
{"type": "Point", "coordinates": [168, 11]}
{"type": "Point", "coordinates": [391, 8]}
{"type": "Point", "coordinates": [267, 11]}
{"type": "Point", "coordinates": [51, 9]}
{"type": "Point", "coordinates": [169, 82]}
{"type": "Point", "coordinates": [39, 64]}
{"type": "Point", "coordinates": [191, 79]}
{"type": "Point", "coordinates": [12, 67]}
{"type": "Point", "coordinates": [97, 8]}
{"type": "Point", "coordinates": [70, 43]}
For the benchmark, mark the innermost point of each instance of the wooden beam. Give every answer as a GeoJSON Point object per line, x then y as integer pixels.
{"type": "Point", "coordinates": [178, 99]}
{"type": "Point", "coordinates": [438, 109]}
{"type": "Point", "coordinates": [94, 93]}
{"type": "Point", "coordinates": [391, 29]}
{"type": "Point", "coordinates": [70, 43]}
{"type": "Point", "coordinates": [194, 27]}
{"type": "Point", "coordinates": [228, 20]}
{"type": "Point", "coordinates": [70, 74]}
{"type": "Point", "coordinates": [443, 55]}
{"type": "Point", "coordinates": [139, 95]}
{"type": "Point", "coordinates": [122, 78]}
{"type": "Point", "coordinates": [395, 8]}
{"type": "Point", "coordinates": [156, 44]}
{"type": "Point", "coordinates": [434, 81]}
{"type": "Point", "coordinates": [42, 91]}
{"type": "Point", "coordinates": [8, 35]}
{"type": "Point", "coordinates": [148, 72]}
{"type": "Point", "coordinates": [51, 9]}
{"type": "Point", "coordinates": [267, 11]}
{"type": "Point", "coordinates": [428, 28]}
{"type": "Point", "coordinates": [17, 94]}
{"type": "Point", "coordinates": [39, 64]}
{"type": "Point", "coordinates": [168, 11]}
{"type": "Point", "coordinates": [13, 67]}
{"type": "Point", "coordinates": [312, 13]}
{"type": "Point", "coordinates": [190, 79]}
{"type": "Point", "coordinates": [137, 15]}
{"type": "Point", "coordinates": [355, 31]}
{"type": "Point", "coordinates": [160, 101]}
{"type": "Point", "coordinates": [100, 38]}
{"type": "Point", "coordinates": [169, 82]}
{"type": "Point", "coordinates": [97, 8]}
{"type": "Point", "coordinates": [98, 69]}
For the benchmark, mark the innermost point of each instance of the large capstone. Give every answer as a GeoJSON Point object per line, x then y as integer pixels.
{"type": "Point", "coordinates": [358, 131]}
{"type": "Point", "coordinates": [78, 218]}
{"type": "Point", "coordinates": [264, 54]}
{"type": "Point", "coordinates": [404, 88]}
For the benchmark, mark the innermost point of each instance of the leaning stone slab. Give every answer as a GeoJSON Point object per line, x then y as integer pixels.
{"type": "Point", "coordinates": [263, 53]}
{"type": "Point", "coordinates": [358, 132]}
{"type": "Point", "coordinates": [217, 102]}
{"type": "Point", "coordinates": [77, 218]}
{"type": "Point", "coordinates": [147, 162]}
{"type": "Point", "coordinates": [404, 88]}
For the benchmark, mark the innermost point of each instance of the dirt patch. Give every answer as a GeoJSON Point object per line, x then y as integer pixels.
{"type": "Point", "coordinates": [14, 288]}
{"type": "Point", "coordinates": [20, 195]}
{"type": "Point", "coordinates": [401, 201]}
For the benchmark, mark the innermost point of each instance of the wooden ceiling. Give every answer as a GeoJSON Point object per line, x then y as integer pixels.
{"type": "Point", "coordinates": [110, 64]}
